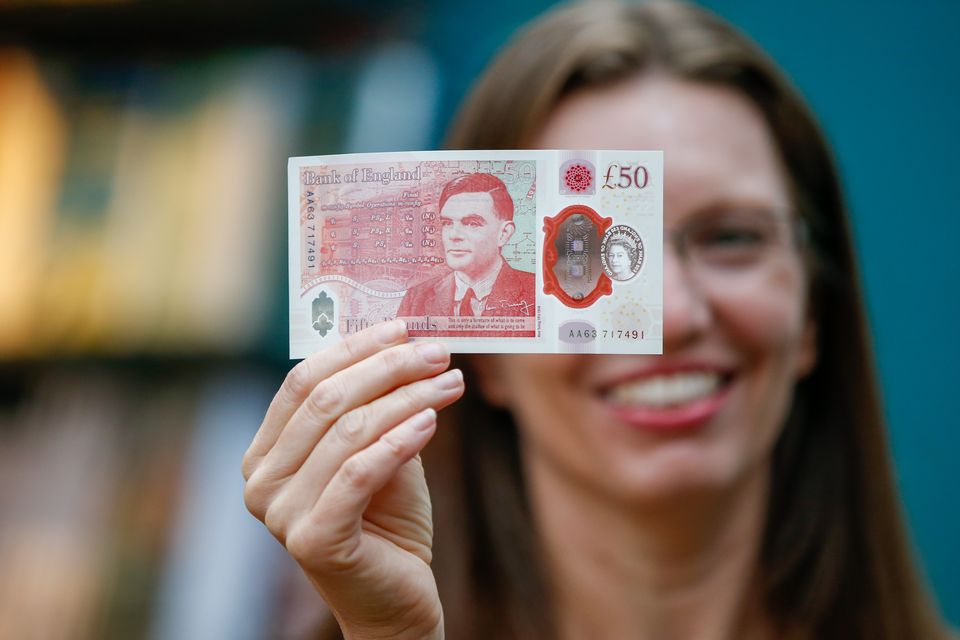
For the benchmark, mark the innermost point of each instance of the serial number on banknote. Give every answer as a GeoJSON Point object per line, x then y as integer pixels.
{"type": "Point", "coordinates": [606, 334]}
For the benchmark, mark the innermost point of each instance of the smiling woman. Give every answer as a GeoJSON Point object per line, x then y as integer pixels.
{"type": "Point", "coordinates": [757, 437]}
{"type": "Point", "coordinates": [738, 486]}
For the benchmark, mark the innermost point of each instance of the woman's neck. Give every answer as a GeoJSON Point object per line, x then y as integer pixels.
{"type": "Point", "coordinates": [683, 569]}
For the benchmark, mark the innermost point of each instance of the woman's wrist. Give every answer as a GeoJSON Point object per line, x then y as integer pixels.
{"type": "Point", "coordinates": [435, 633]}
{"type": "Point", "coordinates": [431, 629]}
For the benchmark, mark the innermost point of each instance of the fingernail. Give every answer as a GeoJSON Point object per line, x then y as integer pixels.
{"type": "Point", "coordinates": [424, 420]}
{"type": "Point", "coordinates": [433, 352]}
{"type": "Point", "coordinates": [390, 332]}
{"type": "Point", "coordinates": [449, 380]}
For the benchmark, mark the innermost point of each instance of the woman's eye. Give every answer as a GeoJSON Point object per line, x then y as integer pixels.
{"type": "Point", "coordinates": [730, 246]}
{"type": "Point", "coordinates": [732, 237]}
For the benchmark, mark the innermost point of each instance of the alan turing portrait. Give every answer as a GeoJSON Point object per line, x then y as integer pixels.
{"type": "Point", "coordinates": [476, 218]}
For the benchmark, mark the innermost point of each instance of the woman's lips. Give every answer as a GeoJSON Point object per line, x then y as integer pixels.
{"type": "Point", "coordinates": [669, 401]}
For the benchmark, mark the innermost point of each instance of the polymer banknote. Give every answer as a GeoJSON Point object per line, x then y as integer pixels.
{"type": "Point", "coordinates": [545, 251]}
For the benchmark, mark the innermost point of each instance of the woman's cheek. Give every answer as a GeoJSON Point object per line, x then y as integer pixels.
{"type": "Point", "coordinates": [536, 382]}
{"type": "Point", "coordinates": [764, 316]}
{"type": "Point", "coordinates": [765, 323]}
{"type": "Point", "coordinates": [525, 370]}
{"type": "Point", "coordinates": [546, 398]}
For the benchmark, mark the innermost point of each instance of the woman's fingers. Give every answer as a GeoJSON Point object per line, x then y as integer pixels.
{"type": "Point", "coordinates": [343, 392]}
{"type": "Point", "coordinates": [307, 374]}
{"type": "Point", "coordinates": [357, 430]}
{"type": "Point", "coordinates": [334, 523]}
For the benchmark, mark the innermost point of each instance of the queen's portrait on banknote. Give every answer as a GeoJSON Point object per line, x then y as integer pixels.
{"type": "Point", "coordinates": [476, 221]}
{"type": "Point", "coordinates": [738, 486]}
{"type": "Point", "coordinates": [622, 255]}
{"type": "Point", "coordinates": [618, 257]}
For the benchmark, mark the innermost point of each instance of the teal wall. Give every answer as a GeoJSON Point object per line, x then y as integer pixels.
{"type": "Point", "coordinates": [883, 78]}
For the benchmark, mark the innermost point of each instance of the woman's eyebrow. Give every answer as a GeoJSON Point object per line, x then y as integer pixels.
{"type": "Point", "coordinates": [750, 202]}
{"type": "Point", "coordinates": [723, 206]}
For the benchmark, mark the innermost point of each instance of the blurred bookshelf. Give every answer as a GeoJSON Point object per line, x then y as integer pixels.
{"type": "Point", "coordinates": [143, 293]}
{"type": "Point", "coordinates": [142, 194]}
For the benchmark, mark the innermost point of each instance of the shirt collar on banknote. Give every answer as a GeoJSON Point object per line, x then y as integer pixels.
{"type": "Point", "coordinates": [481, 289]}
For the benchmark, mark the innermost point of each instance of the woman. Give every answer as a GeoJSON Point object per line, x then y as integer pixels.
{"type": "Point", "coordinates": [620, 260]}
{"type": "Point", "coordinates": [736, 487]}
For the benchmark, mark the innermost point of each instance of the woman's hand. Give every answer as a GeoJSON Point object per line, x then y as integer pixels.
{"type": "Point", "coordinates": [335, 475]}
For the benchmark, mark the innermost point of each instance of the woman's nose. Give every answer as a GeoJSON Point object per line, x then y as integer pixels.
{"type": "Point", "coordinates": [686, 310]}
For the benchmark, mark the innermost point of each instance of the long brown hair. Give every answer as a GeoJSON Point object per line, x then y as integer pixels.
{"type": "Point", "coordinates": [835, 561]}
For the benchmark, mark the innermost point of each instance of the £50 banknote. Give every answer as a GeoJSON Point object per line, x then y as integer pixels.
{"type": "Point", "coordinates": [488, 251]}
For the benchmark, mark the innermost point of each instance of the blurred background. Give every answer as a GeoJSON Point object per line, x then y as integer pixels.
{"type": "Point", "coordinates": [143, 324]}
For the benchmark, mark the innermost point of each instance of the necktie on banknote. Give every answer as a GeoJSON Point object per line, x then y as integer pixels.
{"type": "Point", "coordinates": [466, 305]}
{"type": "Point", "coordinates": [397, 235]}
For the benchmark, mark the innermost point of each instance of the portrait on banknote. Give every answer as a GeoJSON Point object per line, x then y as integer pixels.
{"type": "Point", "coordinates": [476, 222]}
{"type": "Point", "coordinates": [621, 253]}
{"type": "Point", "coordinates": [448, 246]}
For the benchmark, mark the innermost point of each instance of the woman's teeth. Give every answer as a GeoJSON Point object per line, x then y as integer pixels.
{"type": "Point", "coordinates": [666, 390]}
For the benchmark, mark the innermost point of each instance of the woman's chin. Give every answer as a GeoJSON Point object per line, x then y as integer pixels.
{"type": "Point", "coordinates": [669, 476]}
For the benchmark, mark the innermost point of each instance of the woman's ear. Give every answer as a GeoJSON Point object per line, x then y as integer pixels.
{"type": "Point", "coordinates": [487, 371]}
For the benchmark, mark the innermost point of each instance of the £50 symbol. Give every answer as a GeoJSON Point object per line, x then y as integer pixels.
{"type": "Point", "coordinates": [626, 176]}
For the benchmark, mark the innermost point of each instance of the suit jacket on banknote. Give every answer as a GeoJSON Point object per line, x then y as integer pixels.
{"type": "Point", "coordinates": [513, 294]}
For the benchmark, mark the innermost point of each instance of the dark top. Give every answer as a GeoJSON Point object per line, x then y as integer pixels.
{"type": "Point", "coordinates": [513, 294]}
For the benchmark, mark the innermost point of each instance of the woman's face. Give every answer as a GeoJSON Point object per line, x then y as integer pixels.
{"type": "Point", "coordinates": [706, 413]}
{"type": "Point", "coordinates": [619, 261]}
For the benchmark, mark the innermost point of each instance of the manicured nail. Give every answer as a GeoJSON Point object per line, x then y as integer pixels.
{"type": "Point", "coordinates": [433, 352]}
{"type": "Point", "coordinates": [449, 380]}
{"type": "Point", "coordinates": [390, 332]}
{"type": "Point", "coordinates": [424, 420]}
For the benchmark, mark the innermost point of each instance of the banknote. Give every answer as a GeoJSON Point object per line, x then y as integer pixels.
{"type": "Point", "coordinates": [545, 251]}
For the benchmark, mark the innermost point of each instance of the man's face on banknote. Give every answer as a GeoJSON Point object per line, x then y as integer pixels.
{"type": "Point", "coordinates": [472, 233]}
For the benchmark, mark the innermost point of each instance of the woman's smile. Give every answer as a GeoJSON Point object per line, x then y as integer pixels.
{"type": "Point", "coordinates": [709, 410]}
{"type": "Point", "coordinates": [668, 397]}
